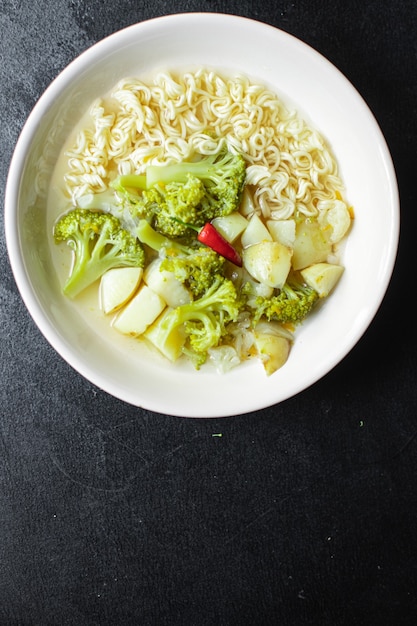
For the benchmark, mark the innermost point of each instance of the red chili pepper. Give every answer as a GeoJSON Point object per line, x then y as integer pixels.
{"type": "Point", "coordinates": [214, 240]}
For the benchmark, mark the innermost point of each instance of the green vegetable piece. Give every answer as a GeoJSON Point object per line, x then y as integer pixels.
{"type": "Point", "coordinates": [99, 243]}
{"type": "Point", "coordinates": [157, 241]}
{"type": "Point", "coordinates": [223, 176]}
{"type": "Point", "coordinates": [185, 192]}
{"type": "Point", "coordinates": [196, 268]}
{"type": "Point", "coordinates": [204, 320]}
{"type": "Point", "coordinates": [293, 303]}
{"type": "Point", "coordinates": [166, 204]}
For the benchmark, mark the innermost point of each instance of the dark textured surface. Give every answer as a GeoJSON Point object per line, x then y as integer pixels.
{"type": "Point", "coordinates": [304, 513]}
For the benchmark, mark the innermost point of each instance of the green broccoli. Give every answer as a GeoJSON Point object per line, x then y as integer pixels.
{"type": "Point", "coordinates": [204, 321]}
{"type": "Point", "coordinates": [172, 204]}
{"type": "Point", "coordinates": [159, 242]}
{"type": "Point", "coordinates": [192, 192]}
{"type": "Point", "coordinates": [127, 182]}
{"type": "Point", "coordinates": [196, 268]}
{"type": "Point", "coordinates": [222, 174]}
{"type": "Point", "coordinates": [167, 207]}
{"type": "Point", "coordinates": [99, 243]}
{"type": "Point", "coordinates": [194, 264]}
{"type": "Point", "coordinates": [293, 303]}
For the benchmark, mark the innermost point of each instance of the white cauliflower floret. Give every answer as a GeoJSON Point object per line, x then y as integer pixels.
{"type": "Point", "coordinates": [334, 214]}
{"type": "Point", "coordinates": [224, 358]}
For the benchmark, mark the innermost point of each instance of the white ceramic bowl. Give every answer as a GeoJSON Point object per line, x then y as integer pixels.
{"type": "Point", "coordinates": [301, 76]}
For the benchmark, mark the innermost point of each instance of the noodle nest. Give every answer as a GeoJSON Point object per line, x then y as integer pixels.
{"type": "Point", "coordinates": [290, 170]}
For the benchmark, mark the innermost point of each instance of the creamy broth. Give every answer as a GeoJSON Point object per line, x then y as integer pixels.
{"type": "Point", "coordinates": [278, 177]}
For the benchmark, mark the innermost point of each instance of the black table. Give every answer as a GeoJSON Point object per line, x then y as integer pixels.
{"type": "Point", "coordinates": [303, 513]}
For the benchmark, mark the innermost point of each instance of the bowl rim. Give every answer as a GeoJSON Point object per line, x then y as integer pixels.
{"type": "Point", "coordinates": [17, 166]}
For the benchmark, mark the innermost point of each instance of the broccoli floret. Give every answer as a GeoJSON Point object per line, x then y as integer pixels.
{"type": "Point", "coordinates": [99, 243]}
{"type": "Point", "coordinates": [293, 303]}
{"type": "Point", "coordinates": [222, 174]}
{"type": "Point", "coordinates": [204, 321]}
{"type": "Point", "coordinates": [193, 192]}
{"type": "Point", "coordinates": [168, 208]}
{"type": "Point", "coordinates": [159, 242]}
{"type": "Point", "coordinates": [171, 204]}
{"type": "Point", "coordinates": [124, 183]}
{"type": "Point", "coordinates": [196, 268]}
{"type": "Point", "coordinates": [194, 264]}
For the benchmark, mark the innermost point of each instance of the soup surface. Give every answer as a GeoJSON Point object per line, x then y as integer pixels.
{"type": "Point", "coordinates": [292, 203]}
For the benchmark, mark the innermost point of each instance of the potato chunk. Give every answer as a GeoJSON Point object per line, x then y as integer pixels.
{"type": "Point", "coordinates": [282, 231]}
{"type": "Point", "coordinates": [269, 262]}
{"type": "Point", "coordinates": [272, 346]}
{"type": "Point", "coordinates": [322, 277]}
{"type": "Point", "coordinates": [140, 312]}
{"type": "Point", "coordinates": [255, 232]}
{"type": "Point", "coordinates": [117, 286]}
{"type": "Point", "coordinates": [230, 226]}
{"type": "Point", "coordinates": [311, 244]}
{"type": "Point", "coordinates": [169, 344]}
{"type": "Point", "coordinates": [166, 284]}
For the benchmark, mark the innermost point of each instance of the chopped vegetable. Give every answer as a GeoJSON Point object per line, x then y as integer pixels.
{"type": "Point", "coordinates": [292, 304]}
{"type": "Point", "coordinates": [195, 268]}
{"type": "Point", "coordinates": [193, 192]}
{"type": "Point", "coordinates": [322, 277]}
{"type": "Point", "coordinates": [203, 322]}
{"type": "Point", "coordinates": [117, 286]}
{"type": "Point", "coordinates": [269, 262]}
{"type": "Point", "coordinates": [273, 345]}
{"type": "Point", "coordinates": [99, 243]}
{"type": "Point", "coordinates": [140, 312]}
{"type": "Point", "coordinates": [214, 240]}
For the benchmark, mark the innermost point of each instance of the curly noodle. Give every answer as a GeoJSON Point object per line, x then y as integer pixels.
{"type": "Point", "coordinates": [290, 169]}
